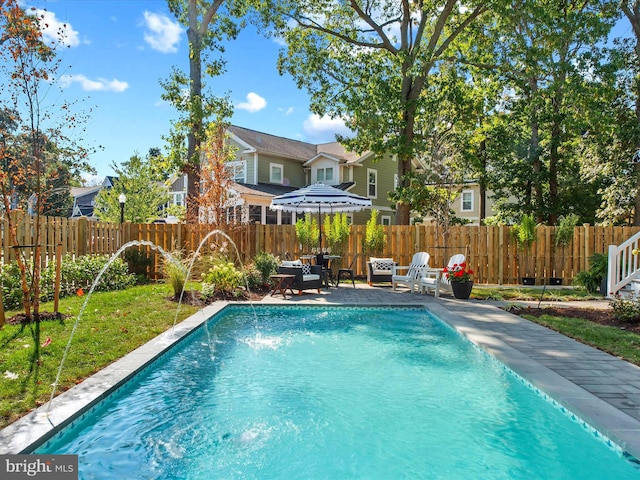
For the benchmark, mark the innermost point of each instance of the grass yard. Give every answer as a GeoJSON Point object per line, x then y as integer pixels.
{"type": "Point", "coordinates": [113, 324]}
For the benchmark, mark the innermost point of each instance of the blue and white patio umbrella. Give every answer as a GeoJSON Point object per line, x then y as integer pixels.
{"type": "Point", "coordinates": [319, 198]}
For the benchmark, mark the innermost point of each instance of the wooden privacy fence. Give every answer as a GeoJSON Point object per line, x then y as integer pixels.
{"type": "Point", "coordinates": [491, 251]}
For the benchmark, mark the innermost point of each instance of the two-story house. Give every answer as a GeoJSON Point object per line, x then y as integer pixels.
{"type": "Point", "coordinates": [267, 166]}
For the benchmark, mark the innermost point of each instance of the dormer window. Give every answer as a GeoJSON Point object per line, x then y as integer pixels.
{"type": "Point", "coordinates": [325, 175]}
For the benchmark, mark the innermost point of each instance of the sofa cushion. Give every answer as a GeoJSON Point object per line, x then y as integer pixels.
{"type": "Point", "coordinates": [310, 277]}
{"type": "Point", "coordinates": [382, 265]}
{"type": "Point", "coordinates": [291, 263]}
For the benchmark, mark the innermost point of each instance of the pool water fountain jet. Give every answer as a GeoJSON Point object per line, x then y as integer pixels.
{"type": "Point", "coordinates": [169, 257]}
{"type": "Point", "coordinates": [190, 267]}
{"type": "Point", "coordinates": [88, 296]}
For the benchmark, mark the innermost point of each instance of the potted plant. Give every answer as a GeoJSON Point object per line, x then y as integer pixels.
{"type": "Point", "coordinates": [374, 238]}
{"type": "Point", "coordinates": [460, 278]}
{"type": "Point", "coordinates": [564, 235]}
{"type": "Point", "coordinates": [594, 279]}
{"type": "Point", "coordinates": [525, 234]}
{"type": "Point", "coordinates": [307, 232]}
{"type": "Point", "coordinates": [336, 232]}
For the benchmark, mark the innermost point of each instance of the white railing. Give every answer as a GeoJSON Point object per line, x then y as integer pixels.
{"type": "Point", "coordinates": [623, 266]}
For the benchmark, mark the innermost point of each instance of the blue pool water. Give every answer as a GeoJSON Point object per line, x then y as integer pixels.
{"type": "Point", "coordinates": [332, 393]}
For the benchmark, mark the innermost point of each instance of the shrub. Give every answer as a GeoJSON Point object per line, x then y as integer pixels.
{"type": "Point", "coordinates": [591, 279]}
{"type": "Point", "coordinates": [223, 277]}
{"type": "Point", "coordinates": [626, 309]}
{"type": "Point", "coordinates": [267, 265]}
{"type": "Point", "coordinates": [175, 272]}
{"type": "Point", "coordinates": [11, 290]}
{"type": "Point", "coordinates": [139, 262]}
{"type": "Point", "coordinates": [253, 278]}
{"type": "Point", "coordinates": [374, 237]}
{"type": "Point", "coordinates": [74, 274]}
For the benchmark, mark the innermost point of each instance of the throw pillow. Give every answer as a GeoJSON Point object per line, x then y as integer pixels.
{"type": "Point", "coordinates": [306, 269]}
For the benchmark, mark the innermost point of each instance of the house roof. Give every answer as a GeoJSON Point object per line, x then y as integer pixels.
{"type": "Point", "coordinates": [262, 189]}
{"type": "Point", "coordinates": [82, 191]}
{"type": "Point", "coordinates": [286, 147]}
{"type": "Point", "coordinates": [283, 147]}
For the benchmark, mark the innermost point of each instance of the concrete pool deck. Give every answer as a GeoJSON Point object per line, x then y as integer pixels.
{"type": "Point", "coordinates": [601, 389]}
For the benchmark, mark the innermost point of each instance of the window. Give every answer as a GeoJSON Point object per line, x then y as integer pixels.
{"type": "Point", "coordinates": [276, 175]}
{"type": "Point", "coordinates": [325, 175]}
{"type": "Point", "coordinates": [286, 218]}
{"type": "Point", "coordinates": [385, 220]}
{"type": "Point", "coordinates": [178, 198]}
{"type": "Point", "coordinates": [255, 214]}
{"type": "Point", "coordinates": [466, 201]}
{"type": "Point", "coordinates": [236, 170]}
{"type": "Point", "coordinates": [372, 183]}
{"type": "Point", "coordinates": [271, 217]}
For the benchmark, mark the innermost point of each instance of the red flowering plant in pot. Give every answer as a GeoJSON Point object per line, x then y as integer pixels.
{"type": "Point", "coordinates": [461, 279]}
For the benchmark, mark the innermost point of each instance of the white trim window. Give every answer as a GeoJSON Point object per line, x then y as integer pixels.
{"type": "Point", "coordinates": [385, 220]}
{"type": "Point", "coordinates": [372, 183]}
{"type": "Point", "coordinates": [237, 170]}
{"type": "Point", "coordinates": [466, 201]}
{"type": "Point", "coordinates": [325, 175]}
{"type": "Point", "coordinates": [276, 173]}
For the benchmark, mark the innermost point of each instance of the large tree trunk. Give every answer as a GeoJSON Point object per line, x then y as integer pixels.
{"type": "Point", "coordinates": [534, 152]}
{"type": "Point", "coordinates": [195, 95]}
{"type": "Point", "coordinates": [483, 183]}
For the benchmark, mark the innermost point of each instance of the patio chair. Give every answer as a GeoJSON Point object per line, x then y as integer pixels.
{"type": "Point", "coordinates": [348, 271]}
{"type": "Point", "coordinates": [379, 270]}
{"type": "Point", "coordinates": [307, 276]}
{"type": "Point", "coordinates": [415, 270]}
{"type": "Point", "coordinates": [434, 279]}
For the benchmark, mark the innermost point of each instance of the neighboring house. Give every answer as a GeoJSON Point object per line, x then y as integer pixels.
{"type": "Point", "coordinates": [84, 198]}
{"type": "Point", "coordinates": [267, 166]}
{"type": "Point", "coordinates": [467, 204]}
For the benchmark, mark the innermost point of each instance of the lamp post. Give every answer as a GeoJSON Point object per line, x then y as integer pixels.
{"type": "Point", "coordinates": [122, 198]}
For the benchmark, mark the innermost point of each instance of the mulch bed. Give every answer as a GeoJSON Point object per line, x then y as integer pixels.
{"type": "Point", "coordinates": [595, 315]}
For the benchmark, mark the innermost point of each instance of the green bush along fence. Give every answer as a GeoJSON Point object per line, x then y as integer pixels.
{"type": "Point", "coordinates": [491, 251]}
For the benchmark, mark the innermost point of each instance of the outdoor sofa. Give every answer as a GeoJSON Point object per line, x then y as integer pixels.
{"type": "Point", "coordinates": [379, 270]}
{"type": "Point", "coordinates": [307, 276]}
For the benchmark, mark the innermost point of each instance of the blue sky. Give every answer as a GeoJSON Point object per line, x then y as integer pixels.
{"type": "Point", "coordinates": [120, 49]}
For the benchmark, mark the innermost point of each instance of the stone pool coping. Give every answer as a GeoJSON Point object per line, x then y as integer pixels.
{"type": "Point", "coordinates": [597, 387]}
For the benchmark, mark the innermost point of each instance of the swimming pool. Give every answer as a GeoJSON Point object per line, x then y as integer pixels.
{"type": "Point", "coordinates": [331, 393]}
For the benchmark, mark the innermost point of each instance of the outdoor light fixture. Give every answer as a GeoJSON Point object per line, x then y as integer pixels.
{"type": "Point", "coordinates": [122, 198]}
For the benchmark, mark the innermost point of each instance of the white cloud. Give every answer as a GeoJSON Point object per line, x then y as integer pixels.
{"type": "Point", "coordinates": [56, 32]}
{"type": "Point", "coordinates": [162, 33]}
{"type": "Point", "coordinates": [324, 129]}
{"type": "Point", "coordinates": [253, 104]}
{"type": "Point", "coordinates": [99, 85]}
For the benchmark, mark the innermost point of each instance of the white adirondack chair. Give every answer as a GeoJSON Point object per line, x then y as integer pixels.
{"type": "Point", "coordinates": [411, 279]}
{"type": "Point", "coordinates": [433, 277]}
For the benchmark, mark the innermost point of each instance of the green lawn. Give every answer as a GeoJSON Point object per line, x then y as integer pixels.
{"type": "Point", "coordinates": [113, 324]}
{"type": "Point", "coordinates": [619, 343]}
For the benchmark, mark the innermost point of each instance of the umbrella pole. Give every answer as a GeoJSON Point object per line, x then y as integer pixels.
{"type": "Point", "coordinates": [319, 229]}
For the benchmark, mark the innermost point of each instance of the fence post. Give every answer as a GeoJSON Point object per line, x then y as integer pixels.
{"type": "Point", "coordinates": [81, 239]}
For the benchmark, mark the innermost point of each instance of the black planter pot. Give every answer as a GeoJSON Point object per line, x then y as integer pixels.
{"type": "Point", "coordinates": [555, 281]}
{"type": "Point", "coordinates": [528, 280]}
{"type": "Point", "coordinates": [461, 290]}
